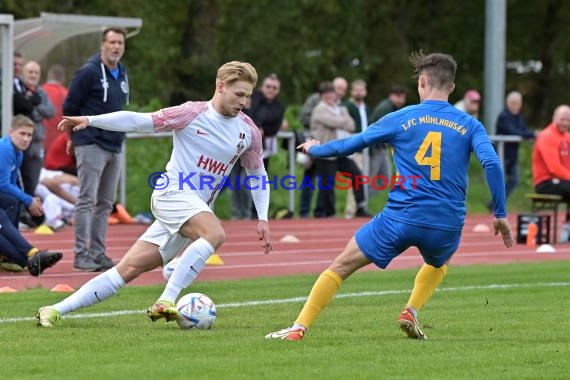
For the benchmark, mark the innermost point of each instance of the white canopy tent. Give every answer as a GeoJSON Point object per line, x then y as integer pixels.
{"type": "Point", "coordinates": [36, 37]}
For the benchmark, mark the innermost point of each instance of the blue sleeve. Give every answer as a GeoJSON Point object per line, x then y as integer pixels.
{"type": "Point", "coordinates": [378, 132]}
{"type": "Point", "coordinates": [77, 92]}
{"type": "Point", "coordinates": [336, 148]}
{"type": "Point", "coordinates": [491, 164]}
{"type": "Point", "coordinates": [6, 162]}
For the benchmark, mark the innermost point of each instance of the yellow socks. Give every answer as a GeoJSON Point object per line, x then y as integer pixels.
{"type": "Point", "coordinates": [321, 295]}
{"type": "Point", "coordinates": [328, 283]}
{"type": "Point", "coordinates": [427, 280]}
{"type": "Point", "coordinates": [32, 252]}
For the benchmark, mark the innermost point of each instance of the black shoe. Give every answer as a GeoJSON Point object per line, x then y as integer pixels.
{"type": "Point", "coordinates": [42, 260]}
{"type": "Point", "coordinates": [103, 261]}
{"type": "Point", "coordinates": [362, 213]}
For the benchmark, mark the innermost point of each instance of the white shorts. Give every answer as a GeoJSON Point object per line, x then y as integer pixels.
{"type": "Point", "coordinates": [171, 212]}
{"type": "Point", "coordinates": [169, 245]}
{"type": "Point", "coordinates": [173, 209]}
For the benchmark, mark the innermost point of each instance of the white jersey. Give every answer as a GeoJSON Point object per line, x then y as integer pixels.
{"type": "Point", "coordinates": [206, 147]}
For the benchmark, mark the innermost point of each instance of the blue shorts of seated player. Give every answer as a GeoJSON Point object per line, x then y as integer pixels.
{"type": "Point", "coordinates": [382, 239]}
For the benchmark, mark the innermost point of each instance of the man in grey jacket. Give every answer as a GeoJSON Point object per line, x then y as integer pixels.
{"type": "Point", "coordinates": [42, 109]}
{"type": "Point", "coordinates": [329, 121]}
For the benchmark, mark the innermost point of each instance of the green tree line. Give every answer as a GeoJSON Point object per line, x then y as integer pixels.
{"type": "Point", "coordinates": [175, 55]}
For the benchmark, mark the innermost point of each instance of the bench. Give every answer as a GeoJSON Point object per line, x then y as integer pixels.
{"type": "Point", "coordinates": [549, 202]}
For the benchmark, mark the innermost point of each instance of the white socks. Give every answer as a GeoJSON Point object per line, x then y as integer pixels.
{"type": "Point", "coordinates": [92, 292]}
{"type": "Point", "coordinates": [191, 263]}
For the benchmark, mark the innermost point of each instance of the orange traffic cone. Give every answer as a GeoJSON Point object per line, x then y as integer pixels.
{"type": "Point", "coordinates": [532, 231]}
{"type": "Point", "coordinates": [62, 288]}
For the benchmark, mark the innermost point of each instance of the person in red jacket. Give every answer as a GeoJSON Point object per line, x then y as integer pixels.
{"type": "Point", "coordinates": [551, 156]}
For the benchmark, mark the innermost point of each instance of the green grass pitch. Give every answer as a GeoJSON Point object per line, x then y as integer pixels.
{"type": "Point", "coordinates": [486, 322]}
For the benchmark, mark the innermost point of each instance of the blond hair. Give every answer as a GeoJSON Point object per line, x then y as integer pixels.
{"type": "Point", "coordinates": [237, 71]}
{"type": "Point", "coordinates": [20, 120]}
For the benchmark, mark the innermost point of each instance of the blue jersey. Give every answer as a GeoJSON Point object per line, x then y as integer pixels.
{"type": "Point", "coordinates": [432, 144]}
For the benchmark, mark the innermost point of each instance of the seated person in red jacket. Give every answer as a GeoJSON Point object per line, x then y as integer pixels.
{"type": "Point", "coordinates": [57, 158]}
{"type": "Point", "coordinates": [551, 156]}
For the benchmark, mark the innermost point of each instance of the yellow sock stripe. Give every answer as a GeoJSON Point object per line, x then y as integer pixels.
{"type": "Point", "coordinates": [32, 252]}
{"type": "Point", "coordinates": [335, 277]}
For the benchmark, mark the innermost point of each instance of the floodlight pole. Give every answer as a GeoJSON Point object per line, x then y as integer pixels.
{"type": "Point", "coordinates": [495, 51]}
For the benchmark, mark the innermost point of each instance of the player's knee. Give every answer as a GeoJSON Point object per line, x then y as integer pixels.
{"type": "Point", "coordinates": [129, 272]}
{"type": "Point", "coordinates": [215, 237]}
{"type": "Point", "coordinates": [130, 269]}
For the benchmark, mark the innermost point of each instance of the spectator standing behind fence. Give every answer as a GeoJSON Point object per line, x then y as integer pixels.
{"type": "Point", "coordinates": [309, 167]}
{"type": "Point", "coordinates": [470, 103]}
{"type": "Point", "coordinates": [267, 112]}
{"type": "Point", "coordinates": [380, 161]}
{"type": "Point", "coordinates": [551, 156]}
{"type": "Point", "coordinates": [360, 112]}
{"type": "Point", "coordinates": [327, 119]}
{"type": "Point", "coordinates": [340, 86]}
{"type": "Point", "coordinates": [511, 122]}
{"type": "Point", "coordinates": [56, 92]}
{"type": "Point", "coordinates": [100, 86]}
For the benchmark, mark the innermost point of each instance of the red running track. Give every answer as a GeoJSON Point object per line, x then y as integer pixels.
{"type": "Point", "coordinates": [320, 240]}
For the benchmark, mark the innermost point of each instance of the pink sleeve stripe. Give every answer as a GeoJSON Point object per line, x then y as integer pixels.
{"type": "Point", "coordinates": [177, 117]}
{"type": "Point", "coordinates": [252, 158]}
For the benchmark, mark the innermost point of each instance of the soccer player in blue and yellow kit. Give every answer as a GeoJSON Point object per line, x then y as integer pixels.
{"type": "Point", "coordinates": [432, 143]}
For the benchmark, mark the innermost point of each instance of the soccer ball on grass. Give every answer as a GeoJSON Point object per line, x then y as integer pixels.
{"type": "Point", "coordinates": [196, 310]}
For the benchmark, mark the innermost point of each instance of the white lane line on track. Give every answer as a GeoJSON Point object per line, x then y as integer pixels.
{"type": "Point", "coordinates": [302, 299]}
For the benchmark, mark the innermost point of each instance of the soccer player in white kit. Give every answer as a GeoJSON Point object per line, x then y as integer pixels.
{"type": "Point", "coordinates": [208, 139]}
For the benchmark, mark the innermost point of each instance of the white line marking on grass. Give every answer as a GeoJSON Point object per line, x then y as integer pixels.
{"type": "Point", "coordinates": [302, 299]}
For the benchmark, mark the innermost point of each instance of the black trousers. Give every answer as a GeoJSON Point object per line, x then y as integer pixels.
{"type": "Point", "coordinates": [12, 243]}
{"type": "Point", "coordinates": [326, 171]}
{"type": "Point", "coordinates": [11, 207]}
{"type": "Point", "coordinates": [556, 187]}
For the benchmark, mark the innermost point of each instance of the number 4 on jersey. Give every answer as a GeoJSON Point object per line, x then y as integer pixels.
{"type": "Point", "coordinates": [433, 140]}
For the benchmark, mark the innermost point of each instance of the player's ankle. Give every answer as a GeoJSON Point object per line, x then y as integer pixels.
{"type": "Point", "coordinates": [413, 310]}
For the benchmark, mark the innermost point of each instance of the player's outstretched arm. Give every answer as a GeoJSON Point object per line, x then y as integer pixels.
{"type": "Point", "coordinates": [502, 225]}
{"type": "Point", "coordinates": [121, 121]}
